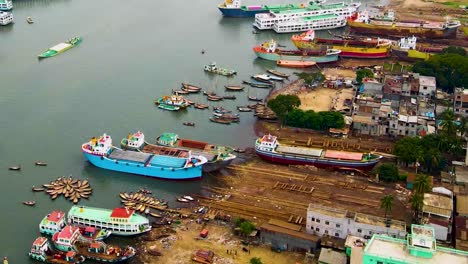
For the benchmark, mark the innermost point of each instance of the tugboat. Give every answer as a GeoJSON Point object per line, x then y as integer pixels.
{"type": "Point", "coordinates": [101, 252]}
{"type": "Point", "coordinates": [214, 69]}
{"type": "Point", "coordinates": [42, 251]}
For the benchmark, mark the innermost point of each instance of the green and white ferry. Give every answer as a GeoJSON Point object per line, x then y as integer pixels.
{"type": "Point", "coordinates": [121, 221]}
{"type": "Point", "coordinates": [61, 47]}
{"type": "Point", "coordinates": [6, 5]}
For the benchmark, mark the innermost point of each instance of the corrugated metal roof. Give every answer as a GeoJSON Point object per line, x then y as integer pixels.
{"type": "Point", "coordinates": [289, 232]}
{"type": "Point", "coordinates": [437, 205]}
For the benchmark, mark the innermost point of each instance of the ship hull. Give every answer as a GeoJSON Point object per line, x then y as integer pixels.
{"type": "Point", "coordinates": [347, 51]}
{"type": "Point", "coordinates": [363, 28]}
{"type": "Point", "coordinates": [140, 168]}
{"type": "Point", "coordinates": [288, 159]}
{"type": "Point", "coordinates": [216, 165]}
{"type": "Point", "coordinates": [238, 12]}
{"type": "Point", "coordinates": [276, 57]}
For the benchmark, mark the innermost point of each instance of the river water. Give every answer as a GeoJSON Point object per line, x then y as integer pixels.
{"type": "Point", "coordinates": [132, 52]}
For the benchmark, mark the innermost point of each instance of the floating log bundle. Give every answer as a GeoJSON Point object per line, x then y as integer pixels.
{"type": "Point", "coordinates": [71, 189]}
{"type": "Point", "coordinates": [142, 202]}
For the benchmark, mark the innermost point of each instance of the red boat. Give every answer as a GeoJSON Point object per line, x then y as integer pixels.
{"type": "Point", "coordinates": [295, 64]}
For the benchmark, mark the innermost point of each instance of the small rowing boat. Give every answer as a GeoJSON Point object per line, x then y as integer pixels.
{"type": "Point", "coordinates": [234, 87]}
{"type": "Point", "coordinates": [37, 189]}
{"type": "Point", "coordinates": [277, 73]}
{"type": "Point", "coordinates": [188, 124]}
{"type": "Point", "coordinates": [29, 203]}
{"type": "Point", "coordinates": [182, 200]}
{"type": "Point", "coordinates": [17, 168]}
{"type": "Point", "coordinates": [295, 64]}
{"type": "Point", "coordinates": [40, 163]}
{"type": "Point", "coordinates": [190, 198]}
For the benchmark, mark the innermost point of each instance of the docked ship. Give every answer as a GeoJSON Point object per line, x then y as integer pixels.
{"type": "Point", "coordinates": [268, 20]}
{"type": "Point", "coordinates": [6, 5]}
{"type": "Point", "coordinates": [100, 251]}
{"type": "Point", "coordinates": [269, 51]}
{"type": "Point", "coordinates": [270, 150]}
{"type": "Point", "coordinates": [60, 48]}
{"type": "Point", "coordinates": [156, 161]}
{"type": "Point", "coordinates": [234, 8]}
{"type": "Point", "coordinates": [5, 18]}
{"type": "Point", "coordinates": [172, 102]}
{"type": "Point", "coordinates": [390, 26]}
{"type": "Point", "coordinates": [406, 49]}
{"type": "Point", "coordinates": [120, 221]}
{"type": "Point", "coordinates": [353, 47]}
{"type": "Point", "coordinates": [41, 250]}
{"type": "Point", "coordinates": [217, 156]}
{"type": "Point", "coordinates": [301, 24]}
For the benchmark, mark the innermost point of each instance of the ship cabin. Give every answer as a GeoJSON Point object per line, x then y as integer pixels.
{"type": "Point", "coordinates": [168, 139]}
{"type": "Point", "coordinates": [136, 140]}
{"type": "Point", "coordinates": [6, 5]}
{"type": "Point", "coordinates": [121, 215]}
{"type": "Point", "coordinates": [65, 239]}
{"type": "Point", "coordinates": [52, 223]}
{"type": "Point", "coordinates": [40, 246]}
{"type": "Point", "coordinates": [267, 143]}
{"type": "Point", "coordinates": [5, 18]}
{"type": "Point", "coordinates": [100, 146]}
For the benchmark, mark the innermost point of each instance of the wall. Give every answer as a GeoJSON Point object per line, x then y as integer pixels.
{"type": "Point", "coordinates": [287, 242]}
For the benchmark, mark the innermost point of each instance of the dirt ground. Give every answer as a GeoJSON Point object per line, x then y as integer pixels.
{"type": "Point", "coordinates": [186, 242]}
{"type": "Point", "coordinates": [318, 100]}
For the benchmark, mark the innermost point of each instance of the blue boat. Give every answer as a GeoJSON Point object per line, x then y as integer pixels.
{"type": "Point", "coordinates": [155, 161]}
{"type": "Point", "coordinates": [233, 8]}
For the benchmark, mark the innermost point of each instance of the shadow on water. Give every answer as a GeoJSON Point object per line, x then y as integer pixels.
{"type": "Point", "coordinates": [7, 28]}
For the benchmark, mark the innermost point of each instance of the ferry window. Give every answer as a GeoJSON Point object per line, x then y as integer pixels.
{"type": "Point", "coordinates": [359, 230]}
{"type": "Point", "coordinates": [327, 223]}
{"type": "Point", "coordinates": [338, 225]}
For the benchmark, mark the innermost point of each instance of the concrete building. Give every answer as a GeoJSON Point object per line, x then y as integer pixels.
{"type": "Point", "coordinates": [419, 247]}
{"type": "Point", "coordinates": [437, 213]}
{"type": "Point", "coordinates": [324, 220]}
{"type": "Point", "coordinates": [427, 86]}
{"type": "Point", "coordinates": [461, 222]}
{"type": "Point", "coordinates": [460, 101]}
{"type": "Point", "coordinates": [403, 126]}
{"type": "Point", "coordinates": [354, 247]}
{"type": "Point", "coordinates": [329, 256]}
{"type": "Point", "coordinates": [287, 236]}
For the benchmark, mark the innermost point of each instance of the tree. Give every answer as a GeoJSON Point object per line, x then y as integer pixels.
{"type": "Point", "coordinates": [310, 78]}
{"type": "Point", "coordinates": [256, 260]}
{"type": "Point", "coordinates": [422, 184]}
{"type": "Point", "coordinates": [448, 124]}
{"type": "Point", "coordinates": [283, 104]}
{"type": "Point", "coordinates": [362, 73]}
{"type": "Point", "coordinates": [387, 172]}
{"type": "Point", "coordinates": [246, 227]}
{"type": "Point", "coordinates": [455, 50]}
{"type": "Point", "coordinates": [408, 149]}
{"type": "Point", "coordinates": [386, 203]}
{"type": "Point", "coordinates": [416, 201]}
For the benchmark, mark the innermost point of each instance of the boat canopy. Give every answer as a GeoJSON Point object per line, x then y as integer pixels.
{"type": "Point", "coordinates": [333, 154]}
{"type": "Point", "coordinates": [60, 47]}
{"type": "Point", "coordinates": [300, 151]}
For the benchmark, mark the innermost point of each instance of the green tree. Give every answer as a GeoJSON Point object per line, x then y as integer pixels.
{"type": "Point", "coordinates": [283, 104]}
{"type": "Point", "coordinates": [448, 124]}
{"type": "Point", "coordinates": [310, 78]}
{"type": "Point", "coordinates": [387, 172]}
{"type": "Point", "coordinates": [422, 184]}
{"type": "Point", "coordinates": [256, 260]}
{"type": "Point", "coordinates": [386, 203]}
{"type": "Point", "coordinates": [455, 50]}
{"type": "Point", "coordinates": [416, 201]}
{"type": "Point", "coordinates": [362, 73]}
{"type": "Point", "coordinates": [246, 227]}
{"type": "Point", "coordinates": [408, 149]}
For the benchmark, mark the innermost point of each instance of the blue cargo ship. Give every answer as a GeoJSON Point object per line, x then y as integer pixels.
{"type": "Point", "coordinates": [156, 161]}
{"type": "Point", "coordinates": [233, 8]}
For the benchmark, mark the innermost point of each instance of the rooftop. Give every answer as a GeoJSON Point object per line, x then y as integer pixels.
{"type": "Point", "coordinates": [319, 17]}
{"type": "Point", "coordinates": [330, 256]}
{"type": "Point", "coordinates": [363, 119]}
{"type": "Point", "coordinates": [284, 224]}
{"type": "Point", "coordinates": [427, 81]}
{"type": "Point", "coordinates": [40, 241]}
{"type": "Point", "coordinates": [462, 204]}
{"type": "Point", "coordinates": [437, 204]}
{"type": "Point", "coordinates": [355, 241]}
{"type": "Point", "coordinates": [461, 174]}
{"type": "Point", "coordinates": [55, 216]}
{"type": "Point", "coordinates": [289, 232]}
{"type": "Point", "coordinates": [101, 214]}
{"type": "Point", "coordinates": [325, 210]}
{"type": "Point", "coordinates": [379, 221]}
{"type": "Point", "coordinates": [68, 231]}
{"type": "Point", "coordinates": [396, 250]}
{"type": "Point", "coordinates": [408, 119]}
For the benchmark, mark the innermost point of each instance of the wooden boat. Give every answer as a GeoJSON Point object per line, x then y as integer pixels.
{"type": "Point", "coordinates": [29, 20]}
{"type": "Point", "coordinates": [29, 203]}
{"type": "Point", "coordinates": [155, 215]}
{"type": "Point", "coordinates": [262, 80]}
{"type": "Point", "coordinates": [268, 77]}
{"type": "Point", "coordinates": [214, 98]}
{"type": "Point", "coordinates": [209, 93]}
{"type": "Point", "coordinates": [258, 84]}
{"type": "Point", "coordinates": [244, 109]}
{"type": "Point", "coordinates": [220, 109]}
{"type": "Point", "coordinates": [40, 163]}
{"type": "Point", "coordinates": [277, 73]}
{"type": "Point", "coordinates": [201, 106]}
{"type": "Point", "coordinates": [229, 97]}
{"type": "Point", "coordinates": [36, 189]}
{"type": "Point", "coordinates": [179, 92]}
{"type": "Point", "coordinates": [190, 198]}
{"type": "Point", "coordinates": [252, 106]}
{"type": "Point", "coordinates": [188, 124]}
{"type": "Point", "coordinates": [61, 47]}
{"type": "Point", "coordinates": [295, 64]}
{"type": "Point", "coordinates": [16, 168]}
{"type": "Point", "coordinates": [191, 87]}
{"type": "Point", "coordinates": [190, 90]}
{"type": "Point", "coordinates": [182, 200]}
{"type": "Point", "coordinates": [254, 98]}
{"type": "Point", "coordinates": [239, 150]}
{"type": "Point", "coordinates": [220, 121]}
{"type": "Point", "coordinates": [234, 87]}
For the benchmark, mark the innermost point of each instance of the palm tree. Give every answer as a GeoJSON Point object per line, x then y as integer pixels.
{"type": "Point", "coordinates": [386, 203]}
{"type": "Point", "coordinates": [422, 184]}
{"type": "Point", "coordinates": [448, 125]}
{"type": "Point", "coordinates": [416, 201]}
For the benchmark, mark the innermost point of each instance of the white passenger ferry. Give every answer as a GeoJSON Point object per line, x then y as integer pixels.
{"type": "Point", "coordinates": [308, 23]}
{"type": "Point", "coordinates": [5, 18]}
{"type": "Point", "coordinates": [268, 20]}
{"type": "Point", "coordinates": [6, 5]}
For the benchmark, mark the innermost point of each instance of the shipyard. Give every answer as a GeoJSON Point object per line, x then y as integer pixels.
{"type": "Point", "coordinates": [234, 131]}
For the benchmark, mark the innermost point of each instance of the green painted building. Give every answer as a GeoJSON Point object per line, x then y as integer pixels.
{"type": "Point", "coordinates": [419, 247]}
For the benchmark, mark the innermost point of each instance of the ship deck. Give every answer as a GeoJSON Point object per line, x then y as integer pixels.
{"type": "Point", "coordinates": [313, 152]}
{"type": "Point", "coordinates": [136, 156]}
{"type": "Point", "coordinates": [165, 151]}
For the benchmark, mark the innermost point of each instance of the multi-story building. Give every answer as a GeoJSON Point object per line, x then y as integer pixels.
{"type": "Point", "coordinates": [427, 86]}
{"type": "Point", "coordinates": [324, 220]}
{"type": "Point", "coordinates": [437, 213]}
{"type": "Point", "coordinates": [419, 247]}
{"type": "Point", "coordinates": [403, 125]}
{"type": "Point", "coordinates": [460, 101]}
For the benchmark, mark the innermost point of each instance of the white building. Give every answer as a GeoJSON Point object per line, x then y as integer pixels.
{"type": "Point", "coordinates": [403, 126]}
{"type": "Point", "coordinates": [324, 220]}
{"type": "Point", "coordinates": [427, 86]}
{"type": "Point", "coordinates": [437, 213]}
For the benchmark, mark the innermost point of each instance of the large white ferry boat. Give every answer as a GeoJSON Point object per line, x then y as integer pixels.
{"type": "Point", "coordinates": [6, 5]}
{"type": "Point", "coordinates": [5, 18]}
{"type": "Point", "coordinates": [268, 20]}
{"type": "Point", "coordinates": [307, 23]}
{"type": "Point", "coordinates": [121, 221]}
